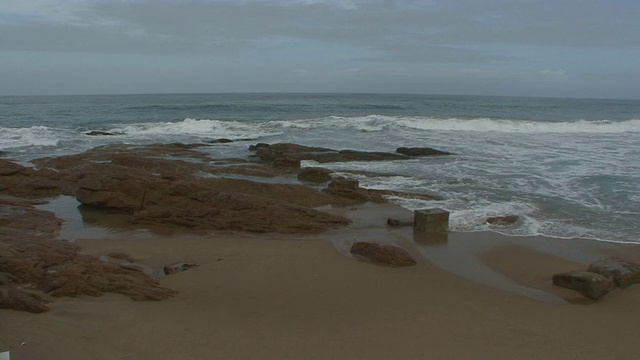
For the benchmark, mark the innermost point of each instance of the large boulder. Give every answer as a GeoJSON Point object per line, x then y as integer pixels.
{"type": "Point", "coordinates": [387, 255]}
{"type": "Point", "coordinates": [623, 273]}
{"type": "Point", "coordinates": [587, 283]}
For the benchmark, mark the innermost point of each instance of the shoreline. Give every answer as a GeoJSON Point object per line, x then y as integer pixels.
{"type": "Point", "coordinates": [291, 291]}
{"type": "Point", "coordinates": [298, 296]}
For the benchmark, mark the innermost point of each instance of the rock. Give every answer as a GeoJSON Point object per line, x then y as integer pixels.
{"type": "Point", "coordinates": [220, 141]}
{"type": "Point", "coordinates": [205, 203]}
{"type": "Point", "coordinates": [235, 211]}
{"type": "Point", "coordinates": [315, 175]}
{"type": "Point", "coordinates": [269, 153]}
{"type": "Point", "coordinates": [350, 189]}
{"type": "Point", "coordinates": [258, 146]}
{"type": "Point", "coordinates": [420, 151]}
{"type": "Point", "coordinates": [503, 220]}
{"type": "Point", "coordinates": [11, 297]}
{"type": "Point", "coordinates": [17, 180]}
{"type": "Point", "coordinates": [587, 283]}
{"type": "Point", "coordinates": [226, 141]}
{"type": "Point", "coordinates": [387, 255]}
{"type": "Point", "coordinates": [31, 254]}
{"type": "Point", "coordinates": [344, 184]}
{"type": "Point", "coordinates": [99, 133]}
{"type": "Point", "coordinates": [623, 273]}
{"type": "Point", "coordinates": [286, 162]}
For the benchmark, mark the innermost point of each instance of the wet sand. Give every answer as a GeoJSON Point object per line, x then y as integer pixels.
{"type": "Point", "coordinates": [473, 296]}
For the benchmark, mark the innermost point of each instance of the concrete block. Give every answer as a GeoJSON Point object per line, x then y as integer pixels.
{"type": "Point", "coordinates": [431, 221]}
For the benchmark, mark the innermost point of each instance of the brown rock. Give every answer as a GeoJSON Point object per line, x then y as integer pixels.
{"type": "Point", "coordinates": [387, 255]}
{"type": "Point", "coordinates": [205, 203]}
{"type": "Point", "coordinates": [21, 181]}
{"type": "Point", "coordinates": [29, 253]}
{"type": "Point", "coordinates": [589, 284]}
{"type": "Point", "coordinates": [623, 273]}
{"type": "Point", "coordinates": [350, 189]}
{"type": "Point", "coordinates": [286, 162]}
{"type": "Point", "coordinates": [11, 297]}
{"type": "Point", "coordinates": [315, 175]}
{"type": "Point", "coordinates": [420, 151]}
{"type": "Point", "coordinates": [269, 153]}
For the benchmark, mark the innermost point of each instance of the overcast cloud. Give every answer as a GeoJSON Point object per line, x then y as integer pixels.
{"type": "Point", "coordinates": [572, 48]}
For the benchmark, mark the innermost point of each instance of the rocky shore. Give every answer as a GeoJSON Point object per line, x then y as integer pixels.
{"type": "Point", "coordinates": [276, 246]}
{"type": "Point", "coordinates": [168, 185]}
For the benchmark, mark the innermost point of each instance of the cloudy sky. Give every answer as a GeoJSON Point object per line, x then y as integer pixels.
{"type": "Point", "coordinates": [559, 48]}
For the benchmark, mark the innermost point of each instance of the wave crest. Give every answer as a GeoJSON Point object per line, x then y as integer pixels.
{"type": "Point", "coordinates": [11, 138]}
{"type": "Point", "coordinates": [520, 126]}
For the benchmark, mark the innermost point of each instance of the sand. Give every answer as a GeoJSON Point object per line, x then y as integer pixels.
{"type": "Point", "coordinates": [473, 296]}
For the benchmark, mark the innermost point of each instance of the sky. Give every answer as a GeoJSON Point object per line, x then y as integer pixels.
{"type": "Point", "coordinates": [549, 48]}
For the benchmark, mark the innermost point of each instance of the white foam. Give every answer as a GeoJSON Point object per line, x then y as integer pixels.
{"type": "Point", "coordinates": [198, 127]}
{"type": "Point", "coordinates": [369, 123]}
{"type": "Point", "coordinates": [519, 126]}
{"type": "Point", "coordinates": [11, 138]}
{"type": "Point", "coordinates": [376, 123]}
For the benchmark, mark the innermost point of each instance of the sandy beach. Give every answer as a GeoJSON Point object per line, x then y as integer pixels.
{"type": "Point", "coordinates": [301, 297]}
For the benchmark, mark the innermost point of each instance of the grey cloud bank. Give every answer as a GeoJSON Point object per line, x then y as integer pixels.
{"type": "Point", "coordinates": [533, 48]}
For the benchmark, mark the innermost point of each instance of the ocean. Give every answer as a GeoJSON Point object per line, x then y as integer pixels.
{"type": "Point", "coordinates": [569, 168]}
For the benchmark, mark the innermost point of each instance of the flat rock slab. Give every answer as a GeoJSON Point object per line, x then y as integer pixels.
{"type": "Point", "coordinates": [587, 283]}
{"type": "Point", "coordinates": [31, 254]}
{"type": "Point", "coordinates": [623, 273]}
{"type": "Point", "coordinates": [387, 255]}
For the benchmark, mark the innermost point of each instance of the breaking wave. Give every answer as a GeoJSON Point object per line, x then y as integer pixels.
{"type": "Point", "coordinates": [11, 138]}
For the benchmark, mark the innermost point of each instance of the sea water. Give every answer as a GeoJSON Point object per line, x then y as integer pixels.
{"type": "Point", "coordinates": [567, 167]}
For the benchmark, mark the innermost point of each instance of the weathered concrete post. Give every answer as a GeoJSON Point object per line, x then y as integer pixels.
{"type": "Point", "coordinates": [431, 221]}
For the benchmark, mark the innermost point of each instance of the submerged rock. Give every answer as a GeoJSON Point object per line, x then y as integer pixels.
{"type": "Point", "coordinates": [100, 133]}
{"type": "Point", "coordinates": [623, 273]}
{"type": "Point", "coordinates": [387, 255]}
{"type": "Point", "coordinates": [420, 151]}
{"type": "Point", "coordinates": [270, 153]}
{"type": "Point", "coordinates": [587, 283]}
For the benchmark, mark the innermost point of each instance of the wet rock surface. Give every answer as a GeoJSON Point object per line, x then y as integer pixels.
{"type": "Point", "coordinates": [170, 185]}
{"type": "Point", "coordinates": [601, 277]}
{"type": "Point", "coordinates": [315, 175]}
{"type": "Point", "coordinates": [387, 255]}
{"type": "Point", "coordinates": [421, 151]}
{"type": "Point", "coordinates": [33, 261]}
{"type": "Point", "coordinates": [18, 180]}
{"type": "Point", "coordinates": [589, 284]}
{"type": "Point", "coordinates": [270, 153]}
{"type": "Point", "coordinates": [622, 272]}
